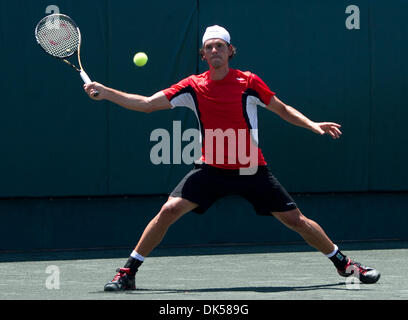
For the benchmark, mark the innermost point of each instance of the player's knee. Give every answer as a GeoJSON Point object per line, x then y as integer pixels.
{"type": "Point", "coordinates": [168, 213]}
{"type": "Point", "coordinates": [296, 221]}
{"type": "Point", "coordinates": [300, 224]}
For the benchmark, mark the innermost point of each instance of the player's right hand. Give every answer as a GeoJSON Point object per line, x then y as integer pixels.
{"type": "Point", "coordinates": [93, 87]}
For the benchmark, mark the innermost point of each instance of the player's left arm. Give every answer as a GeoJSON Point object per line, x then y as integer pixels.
{"type": "Point", "coordinates": [296, 118]}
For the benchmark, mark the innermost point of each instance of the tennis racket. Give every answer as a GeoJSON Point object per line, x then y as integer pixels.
{"type": "Point", "coordinates": [60, 37]}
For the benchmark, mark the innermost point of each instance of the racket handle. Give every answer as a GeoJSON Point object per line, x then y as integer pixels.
{"type": "Point", "coordinates": [85, 77]}
{"type": "Point", "coordinates": [86, 80]}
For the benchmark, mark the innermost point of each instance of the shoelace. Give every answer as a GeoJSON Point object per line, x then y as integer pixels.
{"type": "Point", "coordinates": [362, 269]}
{"type": "Point", "coordinates": [120, 274]}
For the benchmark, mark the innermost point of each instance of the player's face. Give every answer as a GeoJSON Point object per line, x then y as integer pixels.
{"type": "Point", "coordinates": [216, 52]}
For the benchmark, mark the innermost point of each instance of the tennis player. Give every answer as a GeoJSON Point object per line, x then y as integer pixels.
{"type": "Point", "coordinates": [226, 99]}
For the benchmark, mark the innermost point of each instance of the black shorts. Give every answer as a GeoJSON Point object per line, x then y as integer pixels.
{"type": "Point", "coordinates": [205, 184]}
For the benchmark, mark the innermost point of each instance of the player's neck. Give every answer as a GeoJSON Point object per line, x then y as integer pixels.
{"type": "Point", "coordinates": [219, 73]}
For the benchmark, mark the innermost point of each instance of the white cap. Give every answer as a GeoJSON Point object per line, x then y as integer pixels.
{"type": "Point", "coordinates": [216, 32]}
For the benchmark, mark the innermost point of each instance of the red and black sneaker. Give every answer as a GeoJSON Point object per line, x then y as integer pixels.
{"type": "Point", "coordinates": [363, 273]}
{"type": "Point", "coordinates": [122, 281]}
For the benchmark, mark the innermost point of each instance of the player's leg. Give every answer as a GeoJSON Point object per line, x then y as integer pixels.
{"type": "Point", "coordinates": [268, 197]}
{"type": "Point", "coordinates": [311, 232]}
{"type": "Point", "coordinates": [170, 212]}
{"type": "Point", "coordinates": [195, 192]}
{"type": "Point", "coordinates": [315, 236]}
{"type": "Point", "coordinates": [153, 234]}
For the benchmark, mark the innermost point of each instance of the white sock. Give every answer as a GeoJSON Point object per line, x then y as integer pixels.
{"type": "Point", "coordinates": [331, 254]}
{"type": "Point", "coordinates": [137, 256]}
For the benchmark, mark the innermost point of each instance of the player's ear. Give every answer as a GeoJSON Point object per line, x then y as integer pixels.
{"type": "Point", "coordinates": [202, 54]}
{"type": "Point", "coordinates": [230, 51]}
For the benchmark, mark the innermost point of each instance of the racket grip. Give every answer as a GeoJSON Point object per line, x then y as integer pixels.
{"type": "Point", "coordinates": [85, 77]}
{"type": "Point", "coordinates": [87, 80]}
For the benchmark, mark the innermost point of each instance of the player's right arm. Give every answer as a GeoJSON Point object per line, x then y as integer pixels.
{"type": "Point", "coordinates": [130, 101]}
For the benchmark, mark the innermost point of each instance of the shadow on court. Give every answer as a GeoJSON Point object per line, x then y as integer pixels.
{"type": "Point", "coordinates": [141, 291]}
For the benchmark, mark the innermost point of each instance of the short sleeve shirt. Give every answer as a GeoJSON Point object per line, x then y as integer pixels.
{"type": "Point", "coordinates": [227, 115]}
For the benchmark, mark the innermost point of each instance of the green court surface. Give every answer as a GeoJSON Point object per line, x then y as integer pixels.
{"type": "Point", "coordinates": [239, 272]}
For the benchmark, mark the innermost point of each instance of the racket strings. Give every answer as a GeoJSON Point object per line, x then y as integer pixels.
{"type": "Point", "coordinates": [58, 36]}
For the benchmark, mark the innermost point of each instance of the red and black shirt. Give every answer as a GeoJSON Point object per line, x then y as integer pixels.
{"type": "Point", "coordinates": [227, 107]}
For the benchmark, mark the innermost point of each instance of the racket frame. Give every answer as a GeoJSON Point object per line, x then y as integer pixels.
{"type": "Point", "coordinates": [80, 69]}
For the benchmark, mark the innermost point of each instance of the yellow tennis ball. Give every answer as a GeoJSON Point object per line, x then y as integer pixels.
{"type": "Point", "coordinates": [140, 59]}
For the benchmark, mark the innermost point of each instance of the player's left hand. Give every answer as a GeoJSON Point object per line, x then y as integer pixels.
{"type": "Point", "coordinates": [331, 128]}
